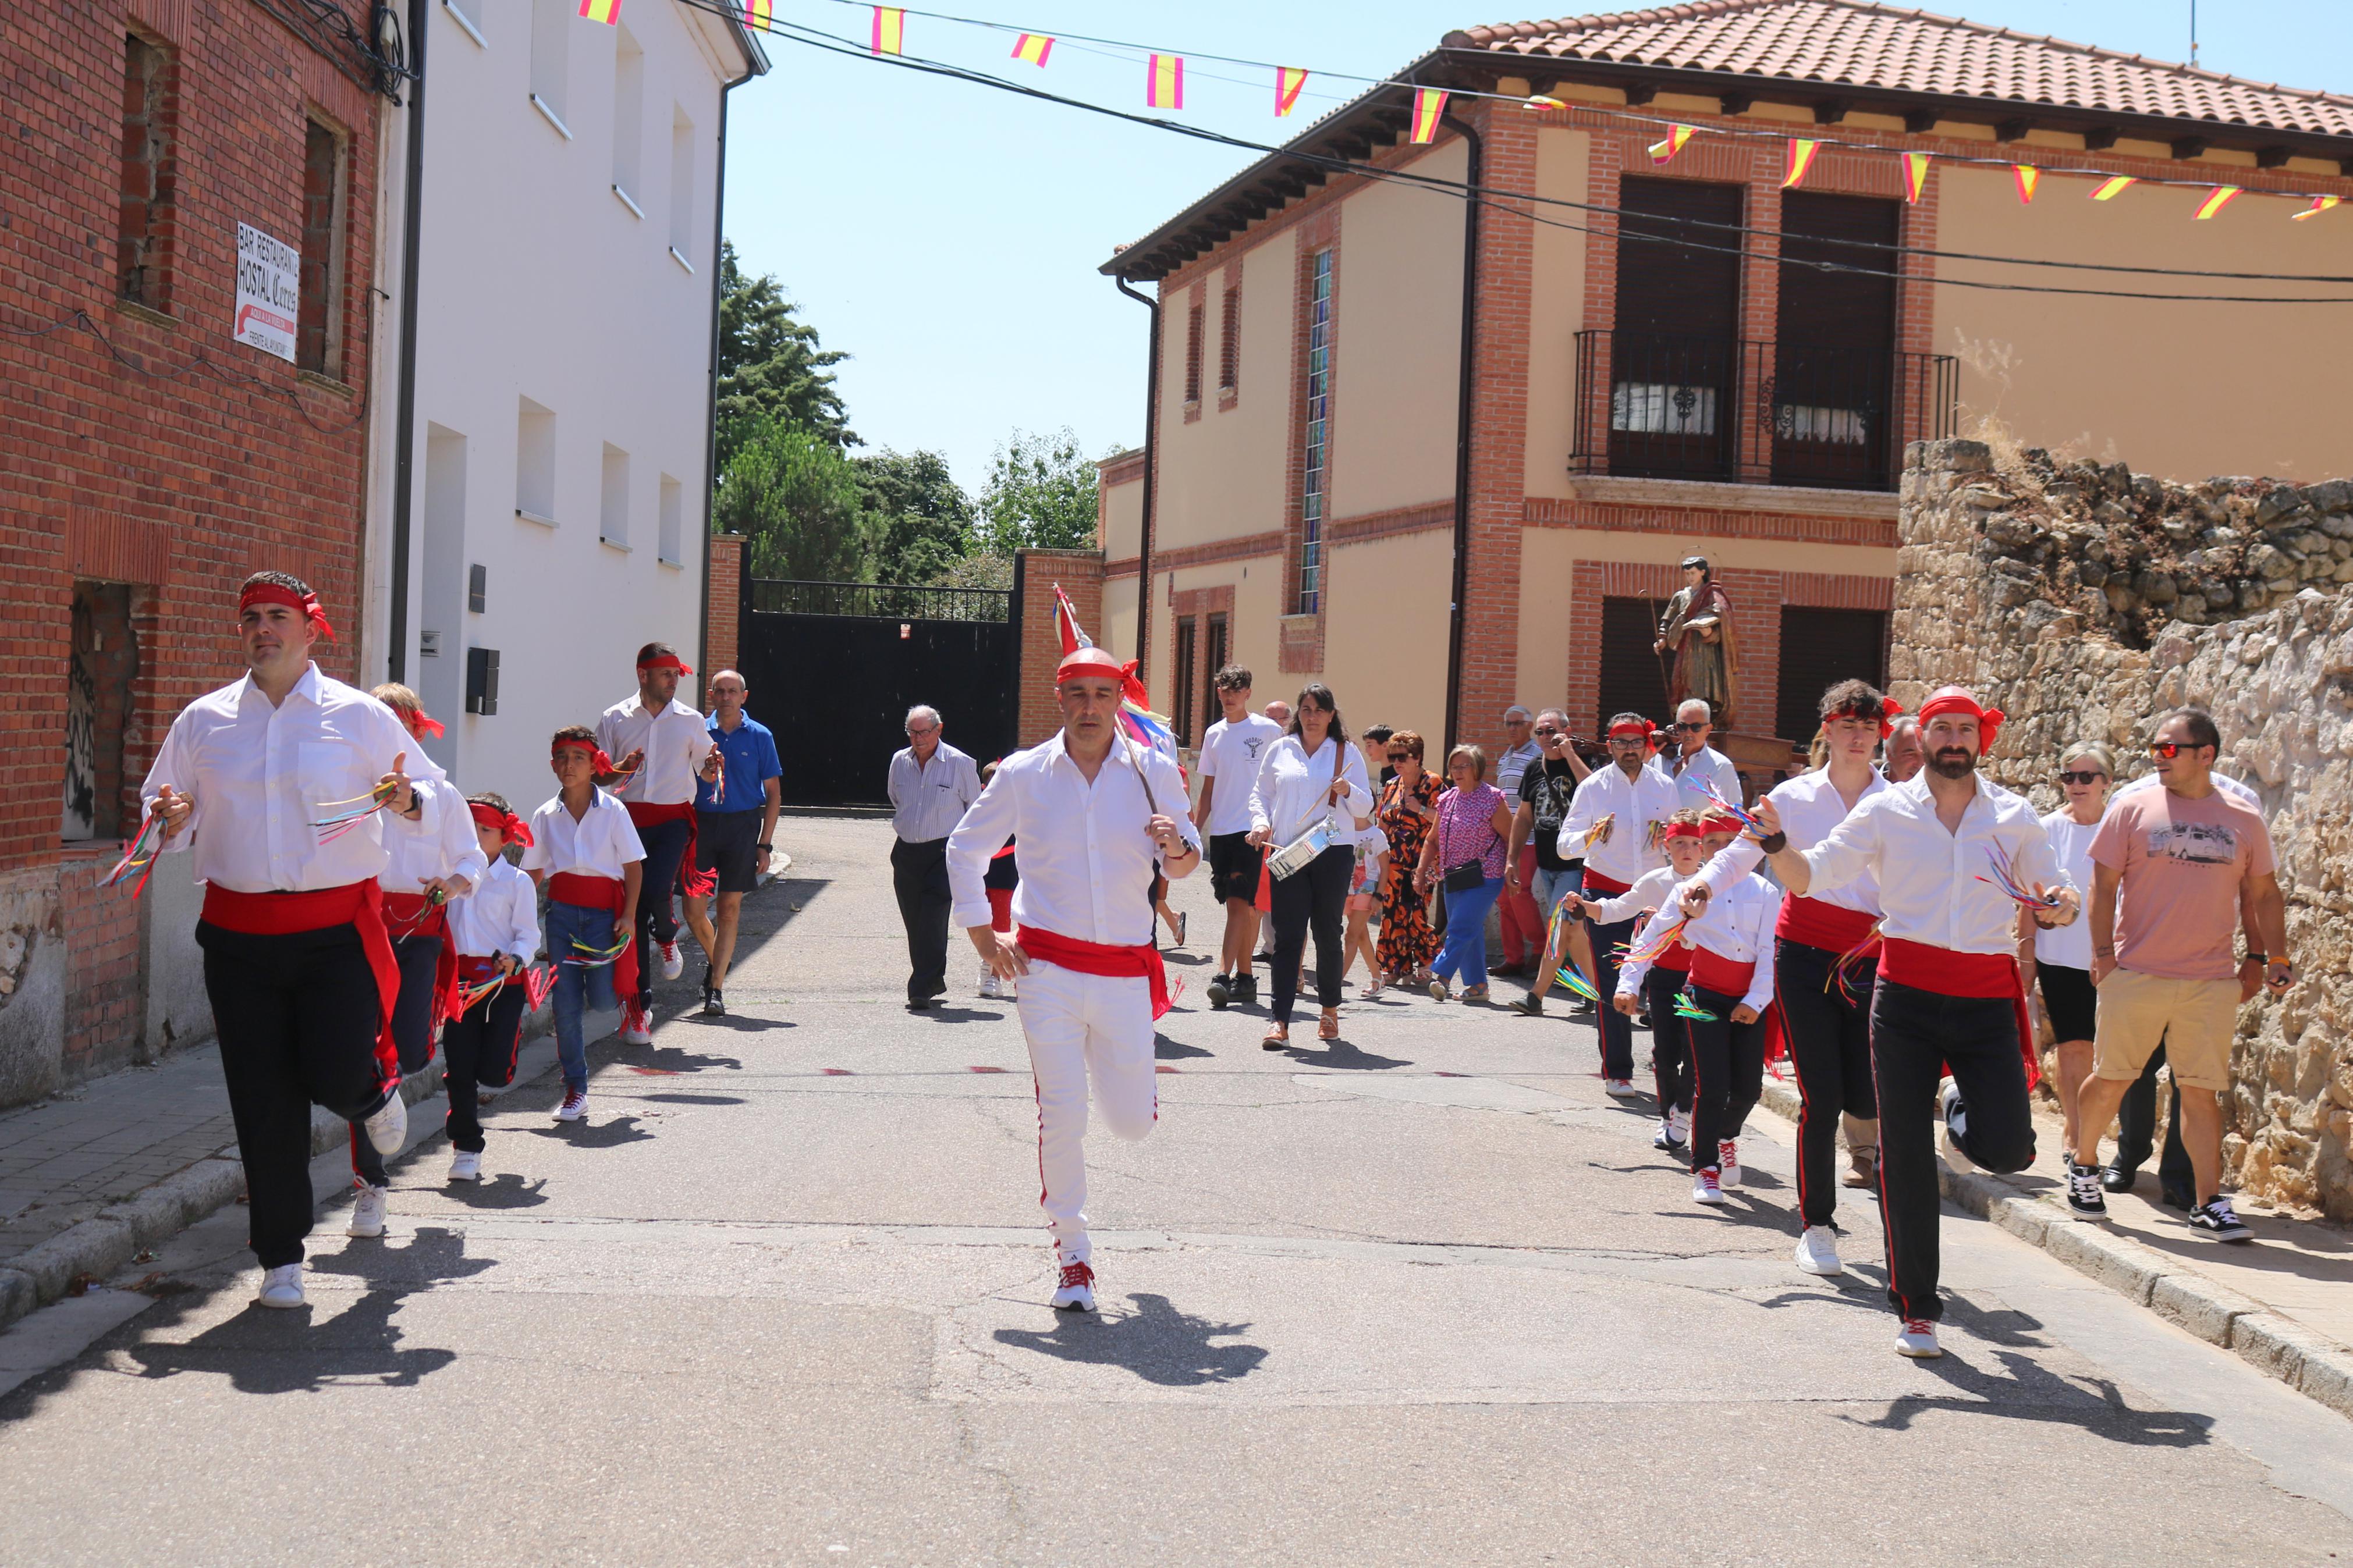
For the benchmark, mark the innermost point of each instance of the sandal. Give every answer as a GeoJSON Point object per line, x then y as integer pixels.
{"type": "Point", "coordinates": [1474, 994]}
{"type": "Point", "coordinates": [1278, 1038]}
{"type": "Point", "coordinates": [1438, 990]}
{"type": "Point", "coordinates": [1328, 1027]}
{"type": "Point", "coordinates": [1370, 989]}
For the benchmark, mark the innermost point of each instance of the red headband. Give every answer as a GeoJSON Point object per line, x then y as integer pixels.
{"type": "Point", "coordinates": [506, 823]}
{"type": "Point", "coordinates": [667, 661]}
{"type": "Point", "coordinates": [1641, 730]}
{"type": "Point", "coordinates": [1889, 711]}
{"type": "Point", "coordinates": [1684, 830]}
{"type": "Point", "coordinates": [599, 762]}
{"type": "Point", "coordinates": [278, 594]}
{"type": "Point", "coordinates": [421, 724]}
{"type": "Point", "coordinates": [1954, 700]}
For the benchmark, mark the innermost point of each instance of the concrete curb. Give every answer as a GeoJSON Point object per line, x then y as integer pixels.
{"type": "Point", "coordinates": [2307, 1362]}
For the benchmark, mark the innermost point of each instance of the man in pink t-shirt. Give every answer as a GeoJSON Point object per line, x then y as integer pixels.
{"type": "Point", "coordinates": [2191, 858]}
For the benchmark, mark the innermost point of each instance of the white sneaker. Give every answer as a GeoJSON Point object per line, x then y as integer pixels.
{"type": "Point", "coordinates": [466, 1165]}
{"type": "Point", "coordinates": [1818, 1251]}
{"type": "Point", "coordinates": [1618, 1087]}
{"type": "Point", "coordinates": [1727, 1162]}
{"type": "Point", "coordinates": [281, 1287]}
{"type": "Point", "coordinates": [574, 1106]}
{"type": "Point", "coordinates": [367, 1212]}
{"type": "Point", "coordinates": [633, 1026]}
{"type": "Point", "coordinates": [988, 991]}
{"type": "Point", "coordinates": [1919, 1339]}
{"type": "Point", "coordinates": [1706, 1188]}
{"type": "Point", "coordinates": [1679, 1125]}
{"type": "Point", "coordinates": [1956, 1119]}
{"type": "Point", "coordinates": [1077, 1291]}
{"type": "Point", "coordinates": [387, 1129]}
{"type": "Point", "coordinates": [673, 961]}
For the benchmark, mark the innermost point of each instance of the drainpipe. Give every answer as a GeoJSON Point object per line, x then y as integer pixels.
{"type": "Point", "coordinates": [1470, 210]}
{"type": "Point", "coordinates": [1151, 455]}
{"type": "Point", "coordinates": [404, 478]}
{"type": "Point", "coordinates": [710, 404]}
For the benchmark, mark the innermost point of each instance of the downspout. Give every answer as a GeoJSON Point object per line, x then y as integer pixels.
{"type": "Point", "coordinates": [404, 478]}
{"type": "Point", "coordinates": [1468, 378]}
{"type": "Point", "coordinates": [710, 404]}
{"type": "Point", "coordinates": [1151, 455]}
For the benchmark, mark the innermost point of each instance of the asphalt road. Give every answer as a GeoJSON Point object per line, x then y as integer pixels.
{"type": "Point", "coordinates": [1429, 1297]}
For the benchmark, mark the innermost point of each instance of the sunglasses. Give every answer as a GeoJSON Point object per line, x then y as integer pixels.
{"type": "Point", "coordinates": [2087, 777]}
{"type": "Point", "coordinates": [1547, 731]}
{"type": "Point", "coordinates": [2169, 748]}
{"type": "Point", "coordinates": [1687, 729]}
{"type": "Point", "coordinates": [1399, 756]}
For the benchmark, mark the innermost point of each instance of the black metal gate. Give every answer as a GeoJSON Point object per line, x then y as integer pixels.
{"type": "Point", "coordinates": [832, 669]}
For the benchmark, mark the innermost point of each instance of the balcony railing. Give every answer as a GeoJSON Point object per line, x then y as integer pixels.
{"type": "Point", "coordinates": [1671, 406]}
{"type": "Point", "coordinates": [879, 601]}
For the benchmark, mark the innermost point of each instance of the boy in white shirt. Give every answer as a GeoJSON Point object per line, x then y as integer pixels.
{"type": "Point", "coordinates": [585, 851]}
{"type": "Point", "coordinates": [494, 931]}
{"type": "Point", "coordinates": [1657, 980]}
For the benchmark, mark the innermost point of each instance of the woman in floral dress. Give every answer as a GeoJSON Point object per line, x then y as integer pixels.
{"type": "Point", "coordinates": [1406, 810]}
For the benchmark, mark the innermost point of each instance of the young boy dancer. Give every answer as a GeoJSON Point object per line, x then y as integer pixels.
{"type": "Point", "coordinates": [1655, 980]}
{"type": "Point", "coordinates": [494, 931]}
{"type": "Point", "coordinates": [1090, 815]}
{"type": "Point", "coordinates": [1229, 753]}
{"type": "Point", "coordinates": [665, 747]}
{"type": "Point", "coordinates": [585, 851]}
{"type": "Point", "coordinates": [278, 783]}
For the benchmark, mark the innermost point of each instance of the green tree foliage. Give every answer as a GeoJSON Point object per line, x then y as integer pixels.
{"type": "Point", "coordinates": [801, 504]}
{"type": "Point", "coordinates": [1040, 495]}
{"type": "Point", "coordinates": [770, 365]}
{"type": "Point", "coordinates": [925, 521]}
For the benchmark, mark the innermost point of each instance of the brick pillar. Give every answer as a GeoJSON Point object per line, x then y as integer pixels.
{"type": "Point", "coordinates": [1035, 574]}
{"type": "Point", "coordinates": [723, 644]}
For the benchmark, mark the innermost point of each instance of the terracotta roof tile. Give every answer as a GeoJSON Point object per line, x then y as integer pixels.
{"type": "Point", "coordinates": [1851, 43]}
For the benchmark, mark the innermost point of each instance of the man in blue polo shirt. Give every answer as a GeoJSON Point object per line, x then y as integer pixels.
{"type": "Point", "coordinates": [734, 828]}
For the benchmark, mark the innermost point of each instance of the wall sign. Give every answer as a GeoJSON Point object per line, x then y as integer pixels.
{"type": "Point", "coordinates": [268, 291]}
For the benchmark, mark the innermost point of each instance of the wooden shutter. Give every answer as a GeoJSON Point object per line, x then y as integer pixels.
{"type": "Point", "coordinates": [1633, 679]}
{"type": "Point", "coordinates": [1819, 649]}
{"type": "Point", "coordinates": [1691, 288]}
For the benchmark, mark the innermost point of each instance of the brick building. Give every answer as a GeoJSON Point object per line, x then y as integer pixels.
{"type": "Point", "coordinates": [149, 459]}
{"type": "Point", "coordinates": [1662, 358]}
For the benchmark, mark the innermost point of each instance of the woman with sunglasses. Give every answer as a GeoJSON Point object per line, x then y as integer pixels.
{"type": "Point", "coordinates": [1408, 810]}
{"type": "Point", "coordinates": [1310, 775]}
{"type": "Point", "coordinates": [2060, 958]}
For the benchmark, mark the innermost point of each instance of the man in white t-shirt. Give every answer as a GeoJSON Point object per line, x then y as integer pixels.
{"type": "Point", "coordinates": [1230, 754]}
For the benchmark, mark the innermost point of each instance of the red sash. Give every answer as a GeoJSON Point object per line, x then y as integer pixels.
{"type": "Point", "coordinates": [1925, 967]}
{"type": "Point", "coordinates": [1598, 886]}
{"type": "Point", "coordinates": [1677, 958]}
{"type": "Point", "coordinates": [607, 894]}
{"type": "Point", "coordinates": [356, 904]}
{"type": "Point", "coordinates": [1711, 971]}
{"type": "Point", "coordinates": [694, 884]}
{"type": "Point", "coordinates": [1101, 958]}
{"type": "Point", "coordinates": [413, 915]}
{"type": "Point", "coordinates": [1813, 923]}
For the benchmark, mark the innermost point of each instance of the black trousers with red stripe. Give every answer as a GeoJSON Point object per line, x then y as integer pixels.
{"type": "Point", "coordinates": [1671, 1062]}
{"type": "Point", "coordinates": [477, 1051]}
{"type": "Point", "coordinates": [1727, 1072]}
{"type": "Point", "coordinates": [1916, 1037]}
{"type": "Point", "coordinates": [1830, 1049]}
{"type": "Point", "coordinates": [419, 958]}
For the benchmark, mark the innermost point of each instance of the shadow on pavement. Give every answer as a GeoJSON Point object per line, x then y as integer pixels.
{"type": "Point", "coordinates": [1165, 1050]}
{"type": "Point", "coordinates": [610, 1134]}
{"type": "Point", "coordinates": [2030, 1392]}
{"type": "Point", "coordinates": [692, 1099]}
{"type": "Point", "coordinates": [940, 1014]}
{"type": "Point", "coordinates": [1340, 1053]}
{"type": "Point", "coordinates": [1156, 1342]}
{"type": "Point", "coordinates": [506, 1192]}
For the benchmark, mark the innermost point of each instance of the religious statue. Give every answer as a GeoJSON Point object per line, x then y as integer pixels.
{"type": "Point", "coordinates": [1697, 627]}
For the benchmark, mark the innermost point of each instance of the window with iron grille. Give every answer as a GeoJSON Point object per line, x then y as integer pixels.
{"type": "Point", "coordinates": [1229, 345]}
{"type": "Point", "coordinates": [1181, 711]}
{"type": "Point", "coordinates": [1319, 412]}
{"type": "Point", "coordinates": [1193, 355]}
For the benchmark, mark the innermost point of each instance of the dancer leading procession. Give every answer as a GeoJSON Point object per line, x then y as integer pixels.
{"type": "Point", "coordinates": [275, 782]}
{"type": "Point", "coordinates": [664, 748]}
{"type": "Point", "coordinates": [1954, 856]}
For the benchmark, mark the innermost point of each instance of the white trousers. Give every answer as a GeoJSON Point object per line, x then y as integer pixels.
{"type": "Point", "coordinates": [1084, 1027]}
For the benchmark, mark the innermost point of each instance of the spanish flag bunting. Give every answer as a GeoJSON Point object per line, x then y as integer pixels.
{"type": "Point", "coordinates": [2319, 204]}
{"type": "Point", "coordinates": [1289, 83]}
{"type": "Point", "coordinates": [2112, 187]}
{"type": "Point", "coordinates": [1663, 151]}
{"type": "Point", "coordinates": [1540, 101]}
{"type": "Point", "coordinates": [606, 11]}
{"type": "Point", "coordinates": [2218, 198]}
{"type": "Point", "coordinates": [1164, 83]}
{"type": "Point", "coordinates": [1915, 175]}
{"type": "Point", "coordinates": [1801, 158]}
{"type": "Point", "coordinates": [2028, 177]}
{"type": "Point", "coordinates": [758, 14]}
{"type": "Point", "coordinates": [889, 30]}
{"type": "Point", "coordinates": [1033, 47]}
{"type": "Point", "coordinates": [1428, 103]}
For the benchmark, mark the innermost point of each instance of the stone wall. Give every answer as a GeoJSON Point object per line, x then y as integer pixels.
{"type": "Point", "coordinates": [2083, 600]}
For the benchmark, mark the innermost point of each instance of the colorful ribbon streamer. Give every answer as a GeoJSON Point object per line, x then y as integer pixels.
{"type": "Point", "coordinates": [1657, 942]}
{"type": "Point", "coordinates": [139, 855]}
{"type": "Point", "coordinates": [343, 816]}
{"type": "Point", "coordinates": [1565, 971]}
{"type": "Point", "coordinates": [1747, 820]}
{"type": "Point", "coordinates": [2005, 877]}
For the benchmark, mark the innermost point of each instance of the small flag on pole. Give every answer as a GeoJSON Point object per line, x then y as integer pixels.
{"type": "Point", "coordinates": [890, 31]}
{"type": "Point", "coordinates": [2319, 204]}
{"type": "Point", "coordinates": [2028, 177]}
{"type": "Point", "coordinates": [2112, 187]}
{"type": "Point", "coordinates": [759, 15]}
{"type": "Point", "coordinates": [1033, 47]}
{"type": "Point", "coordinates": [2218, 198]}
{"type": "Point", "coordinates": [606, 11]}
{"type": "Point", "coordinates": [1428, 103]}
{"type": "Point", "coordinates": [1915, 175]}
{"type": "Point", "coordinates": [1663, 151]}
{"type": "Point", "coordinates": [1801, 158]}
{"type": "Point", "coordinates": [1289, 83]}
{"type": "Point", "coordinates": [1540, 101]}
{"type": "Point", "coordinates": [1163, 84]}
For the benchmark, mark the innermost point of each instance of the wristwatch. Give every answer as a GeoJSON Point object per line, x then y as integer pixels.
{"type": "Point", "coordinates": [766, 848]}
{"type": "Point", "coordinates": [2254, 957]}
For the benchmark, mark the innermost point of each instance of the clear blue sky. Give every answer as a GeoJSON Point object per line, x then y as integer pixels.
{"type": "Point", "coordinates": [947, 234]}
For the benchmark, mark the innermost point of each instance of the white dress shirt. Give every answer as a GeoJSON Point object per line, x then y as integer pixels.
{"type": "Point", "coordinates": [927, 799]}
{"type": "Point", "coordinates": [2070, 946]}
{"type": "Point", "coordinates": [1229, 753]}
{"type": "Point", "coordinates": [415, 853]}
{"type": "Point", "coordinates": [259, 776]}
{"type": "Point", "coordinates": [600, 844]}
{"type": "Point", "coordinates": [1649, 796]}
{"type": "Point", "coordinates": [675, 740]}
{"type": "Point", "coordinates": [500, 915]}
{"type": "Point", "coordinates": [1810, 807]}
{"type": "Point", "coordinates": [1087, 861]}
{"type": "Point", "coordinates": [1707, 763]}
{"type": "Point", "coordinates": [1929, 890]}
{"type": "Point", "coordinates": [1288, 796]}
{"type": "Point", "coordinates": [1650, 892]}
{"type": "Point", "coordinates": [1737, 928]}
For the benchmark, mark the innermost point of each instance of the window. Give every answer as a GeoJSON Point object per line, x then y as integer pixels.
{"type": "Point", "coordinates": [1819, 649]}
{"type": "Point", "coordinates": [1230, 342]}
{"type": "Point", "coordinates": [1631, 679]}
{"type": "Point", "coordinates": [535, 464]}
{"type": "Point", "coordinates": [551, 55]}
{"type": "Point", "coordinates": [1318, 430]}
{"type": "Point", "coordinates": [149, 175]}
{"type": "Point", "coordinates": [105, 661]}
{"type": "Point", "coordinates": [673, 516]}
{"type": "Point", "coordinates": [1193, 355]}
{"type": "Point", "coordinates": [628, 129]}
{"type": "Point", "coordinates": [613, 506]}
{"type": "Point", "coordinates": [1182, 709]}
{"type": "Point", "coordinates": [319, 319]}
{"type": "Point", "coordinates": [682, 188]}
{"type": "Point", "coordinates": [1215, 658]}
{"type": "Point", "coordinates": [467, 13]}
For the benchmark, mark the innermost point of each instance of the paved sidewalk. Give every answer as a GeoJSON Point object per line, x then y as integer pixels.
{"type": "Point", "coordinates": [64, 1158]}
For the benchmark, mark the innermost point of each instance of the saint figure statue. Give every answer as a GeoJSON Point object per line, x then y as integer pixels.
{"type": "Point", "coordinates": [1697, 630]}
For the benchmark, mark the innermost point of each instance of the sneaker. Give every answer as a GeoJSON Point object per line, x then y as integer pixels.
{"type": "Point", "coordinates": [673, 961]}
{"type": "Point", "coordinates": [2216, 1221]}
{"type": "Point", "coordinates": [1919, 1339]}
{"type": "Point", "coordinates": [1956, 1128]}
{"type": "Point", "coordinates": [574, 1106]}
{"type": "Point", "coordinates": [714, 1006]}
{"type": "Point", "coordinates": [1727, 1162]}
{"type": "Point", "coordinates": [1818, 1251]}
{"type": "Point", "coordinates": [988, 991]}
{"type": "Point", "coordinates": [387, 1128]}
{"type": "Point", "coordinates": [281, 1287]}
{"type": "Point", "coordinates": [1531, 1005]}
{"type": "Point", "coordinates": [1618, 1088]}
{"type": "Point", "coordinates": [1861, 1168]}
{"type": "Point", "coordinates": [1245, 988]}
{"type": "Point", "coordinates": [466, 1165]}
{"type": "Point", "coordinates": [633, 1026]}
{"type": "Point", "coordinates": [1664, 1140]}
{"type": "Point", "coordinates": [2083, 1195]}
{"type": "Point", "coordinates": [367, 1212]}
{"type": "Point", "coordinates": [1678, 1123]}
{"type": "Point", "coordinates": [1221, 989]}
{"type": "Point", "coordinates": [1077, 1291]}
{"type": "Point", "coordinates": [1707, 1186]}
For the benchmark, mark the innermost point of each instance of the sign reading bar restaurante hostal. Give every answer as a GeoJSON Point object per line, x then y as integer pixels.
{"type": "Point", "coordinates": [268, 291]}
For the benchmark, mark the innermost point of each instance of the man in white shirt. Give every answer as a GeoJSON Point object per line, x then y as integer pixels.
{"type": "Point", "coordinates": [1229, 758]}
{"type": "Point", "coordinates": [1949, 997]}
{"type": "Point", "coordinates": [1693, 760]}
{"type": "Point", "coordinates": [664, 748]}
{"type": "Point", "coordinates": [1091, 815]}
{"type": "Point", "coordinates": [1616, 820]}
{"type": "Point", "coordinates": [931, 784]}
{"type": "Point", "coordinates": [276, 783]}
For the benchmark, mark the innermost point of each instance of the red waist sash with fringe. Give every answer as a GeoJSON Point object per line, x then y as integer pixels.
{"type": "Point", "coordinates": [607, 894]}
{"type": "Point", "coordinates": [1941, 970]}
{"type": "Point", "coordinates": [1142, 960]}
{"type": "Point", "coordinates": [359, 905]}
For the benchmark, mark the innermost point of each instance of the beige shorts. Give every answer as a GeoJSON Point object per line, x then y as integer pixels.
{"type": "Point", "coordinates": [2194, 1019]}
